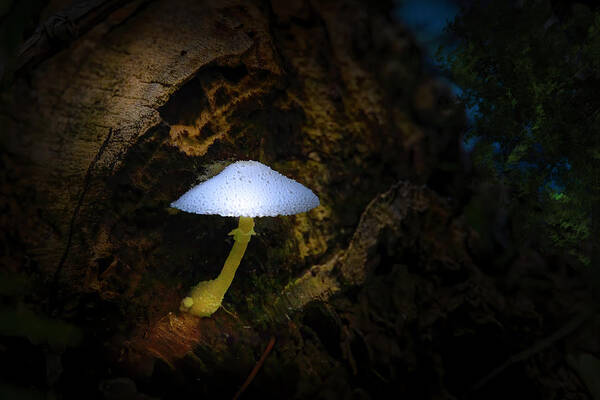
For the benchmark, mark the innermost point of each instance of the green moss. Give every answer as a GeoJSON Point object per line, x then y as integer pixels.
{"type": "Point", "coordinates": [8, 391]}
{"type": "Point", "coordinates": [261, 292]}
{"type": "Point", "coordinates": [38, 329]}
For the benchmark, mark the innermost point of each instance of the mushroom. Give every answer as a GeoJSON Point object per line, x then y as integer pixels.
{"type": "Point", "coordinates": [244, 189]}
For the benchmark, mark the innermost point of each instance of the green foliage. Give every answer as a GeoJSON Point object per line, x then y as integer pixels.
{"type": "Point", "coordinates": [568, 222]}
{"type": "Point", "coordinates": [8, 391]}
{"type": "Point", "coordinates": [38, 329]}
{"type": "Point", "coordinates": [532, 72]}
{"type": "Point", "coordinates": [20, 320]}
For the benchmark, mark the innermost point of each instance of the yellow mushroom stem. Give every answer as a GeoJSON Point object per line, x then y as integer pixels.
{"type": "Point", "coordinates": [205, 298]}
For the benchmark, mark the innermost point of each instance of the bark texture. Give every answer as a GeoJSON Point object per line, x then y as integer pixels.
{"type": "Point", "coordinates": [382, 286]}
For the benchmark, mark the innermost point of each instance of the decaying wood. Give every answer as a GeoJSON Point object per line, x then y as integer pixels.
{"type": "Point", "coordinates": [116, 88]}
{"type": "Point", "coordinates": [385, 214]}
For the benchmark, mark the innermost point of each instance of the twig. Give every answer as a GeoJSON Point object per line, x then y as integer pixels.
{"type": "Point", "coordinates": [566, 330]}
{"type": "Point", "coordinates": [62, 28]}
{"type": "Point", "coordinates": [256, 368]}
{"type": "Point", "coordinates": [230, 313]}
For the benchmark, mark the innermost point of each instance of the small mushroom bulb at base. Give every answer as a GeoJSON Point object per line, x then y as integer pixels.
{"type": "Point", "coordinates": [244, 189]}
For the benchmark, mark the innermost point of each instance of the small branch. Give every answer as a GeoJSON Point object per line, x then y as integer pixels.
{"type": "Point", "coordinates": [566, 330]}
{"type": "Point", "coordinates": [62, 28]}
{"type": "Point", "coordinates": [256, 368]}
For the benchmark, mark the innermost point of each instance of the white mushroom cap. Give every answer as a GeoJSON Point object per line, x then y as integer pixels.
{"type": "Point", "coordinates": [248, 189]}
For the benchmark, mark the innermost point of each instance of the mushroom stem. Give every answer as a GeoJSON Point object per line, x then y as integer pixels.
{"type": "Point", "coordinates": [241, 237]}
{"type": "Point", "coordinates": [205, 298]}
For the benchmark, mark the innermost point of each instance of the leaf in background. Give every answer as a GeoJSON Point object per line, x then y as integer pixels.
{"type": "Point", "coordinates": [517, 154]}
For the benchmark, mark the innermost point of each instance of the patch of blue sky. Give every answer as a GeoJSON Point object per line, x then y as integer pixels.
{"type": "Point", "coordinates": [471, 112]}
{"type": "Point", "coordinates": [554, 183]}
{"type": "Point", "coordinates": [427, 20]}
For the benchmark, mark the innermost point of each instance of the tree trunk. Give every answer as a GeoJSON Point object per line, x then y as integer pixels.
{"type": "Point", "coordinates": [100, 139]}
